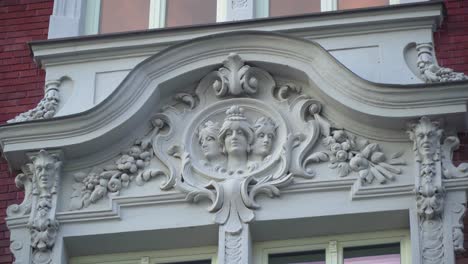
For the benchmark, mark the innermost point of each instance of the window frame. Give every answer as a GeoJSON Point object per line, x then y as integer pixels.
{"type": "Point", "coordinates": [157, 14]}
{"type": "Point", "coordinates": [262, 7]}
{"type": "Point", "coordinates": [334, 245]}
{"type": "Point", "coordinates": [147, 257]}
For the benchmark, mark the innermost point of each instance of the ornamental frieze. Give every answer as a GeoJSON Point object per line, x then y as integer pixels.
{"type": "Point", "coordinates": [240, 134]}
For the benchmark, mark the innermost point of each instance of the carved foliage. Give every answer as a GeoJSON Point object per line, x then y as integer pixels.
{"type": "Point", "coordinates": [42, 223]}
{"type": "Point", "coordinates": [46, 108]}
{"type": "Point", "coordinates": [430, 71]}
{"type": "Point", "coordinates": [426, 136]}
{"type": "Point", "coordinates": [233, 248]}
{"type": "Point", "coordinates": [458, 212]}
{"type": "Point", "coordinates": [132, 165]}
{"type": "Point", "coordinates": [346, 153]}
{"type": "Point", "coordinates": [23, 181]}
{"type": "Point", "coordinates": [449, 170]}
{"type": "Point", "coordinates": [235, 78]}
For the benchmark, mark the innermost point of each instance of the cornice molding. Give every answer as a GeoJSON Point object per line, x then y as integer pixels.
{"type": "Point", "coordinates": [139, 94]}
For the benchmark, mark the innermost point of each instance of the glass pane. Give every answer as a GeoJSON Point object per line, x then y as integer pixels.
{"type": "Point", "coordinates": [350, 4]}
{"type": "Point", "coordinates": [309, 257]}
{"type": "Point", "coordinates": [124, 15]}
{"type": "Point", "coordinates": [293, 7]}
{"type": "Point", "coordinates": [378, 254]}
{"type": "Point", "coordinates": [190, 12]}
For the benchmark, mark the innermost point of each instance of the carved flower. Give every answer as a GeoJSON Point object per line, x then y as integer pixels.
{"type": "Point", "coordinates": [339, 136]}
{"type": "Point", "coordinates": [341, 155]}
{"type": "Point", "coordinates": [346, 146]}
{"type": "Point", "coordinates": [126, 162]}
{"type": "Point", "coordinates": [335, 147]}
{"type": "Point", "coordinates": [91, 180]}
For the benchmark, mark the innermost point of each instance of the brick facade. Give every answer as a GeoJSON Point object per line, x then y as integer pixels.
{"type": "Point", "coordinates": [21, 82]}
{"type": "Point", "coordinates": [451, 45]}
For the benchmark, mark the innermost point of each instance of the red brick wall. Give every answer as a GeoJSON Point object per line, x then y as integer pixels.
{"type": "Point", "coordinates": [451, 45]}
{"type": "Point", "coordinates": [451, 40]}
{"type": "Point", "coordinates": [21, 83]}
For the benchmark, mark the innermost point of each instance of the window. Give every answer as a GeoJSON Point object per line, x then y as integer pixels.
{"type": "Point", "coordinates": [392, 247]}
{"type": "Point", "coordinates": [107, 16]}
{"type": "Point", "coordinates": [201, 255]}
{"type": "Point", "coordinates": [273, 8]}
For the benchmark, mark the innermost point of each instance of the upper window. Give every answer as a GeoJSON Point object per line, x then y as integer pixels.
{"type": "Point", "coordinates": [107, 16]}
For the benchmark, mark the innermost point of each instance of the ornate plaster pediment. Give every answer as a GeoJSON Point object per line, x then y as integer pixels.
{"type": "Point", "coordinates": [353, 103]}
{"type": "Point", "coordinates": [230, 117]}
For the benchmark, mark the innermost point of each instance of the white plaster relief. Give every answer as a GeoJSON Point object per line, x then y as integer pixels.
{"type": "Point", "coordinates": [236, 4]}
{"type": "Point", "coordinates": [235, 78]}
{"type": "Point", "coordinates": [132, 166]}
{"type": "Point", "coordinates": [448, 169]}
{"type": "Point", "coordinates": [46, 108]}
{"type": "Point", "coordinates": [430, 71]}
{"type": "Point", "coordinates": [458, 212]}
{"type": "Point", "coordinates": [430, 196]}
{"type": "Point", "coordinates": [347, 153]}
{"type": "Point", "coordinates": [41, 182]}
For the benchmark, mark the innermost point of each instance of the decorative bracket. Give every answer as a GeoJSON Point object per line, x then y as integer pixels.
{"type": "Point", "coordinates": [434, 162]}
{"type": "Point", "coordinates": [40, 180]}
{"type": "Point", "coordinates": [430, 71]}
{"type": "Point", "coordinates": [46, 108]}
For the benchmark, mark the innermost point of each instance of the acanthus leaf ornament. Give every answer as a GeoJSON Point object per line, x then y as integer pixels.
{"type": "Point", "coordinates": [23, 181]}
{"type": "Point", "coordinates": [448, 169]}
{"type": "Point", "coordinates": [235, 78]}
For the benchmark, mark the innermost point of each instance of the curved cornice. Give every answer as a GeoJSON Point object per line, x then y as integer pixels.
{"type": "Point", "coordinates": [351, 99]}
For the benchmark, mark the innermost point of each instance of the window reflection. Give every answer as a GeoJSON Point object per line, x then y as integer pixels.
{"type": "Point", "coordinates": [124, 15]}
{"type": "Point", "coordinates": [377, 254]}
{"type": "Point", "coordinates": [190, 12]}
{"type": "Point", "coordinates": [293, 7]}
{"type": "Point", "coordinates": [309, 257]}
{"type": "Point", "coordinates": [351, 4]}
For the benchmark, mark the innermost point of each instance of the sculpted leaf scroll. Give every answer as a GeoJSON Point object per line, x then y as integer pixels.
{"type": "Point", "coordinates": [235, 78]}
{"type": "Point", "coordinates": [449, 170]}
{"type": "Point", "coordinates": [132, 165]}
{"type": "Point", "coordinates": [347, 154]}
{"type": "Point", "coordinates": [24, 182]}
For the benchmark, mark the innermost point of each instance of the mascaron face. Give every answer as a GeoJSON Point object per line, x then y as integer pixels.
{"type": "Point", "coordinates": [263, 143]}
{"type": "Point", "coordinates": [426, 139]}
{"type": "Point", "coordinates": [235, 141]}
{"type": "Point", "coordinates": [44, 173]}
{"type": "Point", "coordinates": [210, 147]}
